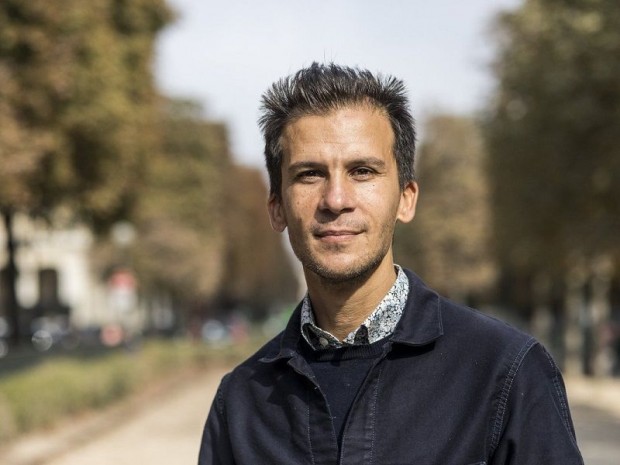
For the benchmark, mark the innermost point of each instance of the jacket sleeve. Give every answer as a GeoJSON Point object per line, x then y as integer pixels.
{"type": "Point", "coordinates": [215, 447]}
{"type": "Point", "coordinates": [534, 423]}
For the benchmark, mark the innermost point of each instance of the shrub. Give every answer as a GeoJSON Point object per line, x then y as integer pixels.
{"type": "Point", "coordinates": [61, 386]}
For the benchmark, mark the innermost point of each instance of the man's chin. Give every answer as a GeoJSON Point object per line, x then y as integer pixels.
{"type": "Point", "coordinates": [346, 273]}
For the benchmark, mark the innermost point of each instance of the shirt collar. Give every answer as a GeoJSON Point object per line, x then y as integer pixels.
{"type": "Point", "coordinates": [380, 324]}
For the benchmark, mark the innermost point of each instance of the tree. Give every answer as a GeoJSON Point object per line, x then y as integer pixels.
{"type": "Point", "coordinates": [204, 237]}
{"type": "Point", "coordinates": [448, 241]}
{"type": "Point", "coordinates": [76, 91]}
{"type": "Point", "coordinates": [553, 142]}
{"type": "Point", "coordinates": [180, 212]}
{"type": "Point", "coordinates": [258, 273]}
{"type": "Point", "coordinates": [552, 126]}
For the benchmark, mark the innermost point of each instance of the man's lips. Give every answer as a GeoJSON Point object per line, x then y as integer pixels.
{"type": "Point", "coordinates": [330, 232]}
{"type": "Point", "coordinates": [335, 235]}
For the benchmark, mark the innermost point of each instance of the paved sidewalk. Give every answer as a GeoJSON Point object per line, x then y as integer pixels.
{"type": "Point", "coordinates": [599, 393]}
{"type": "Point", "coordinates": [598, 435]}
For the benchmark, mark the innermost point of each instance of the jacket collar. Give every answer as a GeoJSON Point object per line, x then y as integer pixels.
{"type": "Point", "coordinates": [419, 325]}
{"type": "Point", "coordinates": [421, 322]}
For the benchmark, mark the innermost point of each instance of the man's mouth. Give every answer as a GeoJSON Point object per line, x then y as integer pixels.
{"type": "Point", "coordinates": [331, 232]}
{"type": "Point", "coordinates": [335, 235]}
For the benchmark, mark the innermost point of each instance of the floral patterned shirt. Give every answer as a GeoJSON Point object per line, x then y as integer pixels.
{"type": "Point", "coordinates": [380, 324]}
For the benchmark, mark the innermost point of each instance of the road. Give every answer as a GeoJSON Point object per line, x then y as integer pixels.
{"type": "Point", "coordinates": [166, 433]}
{"type": "Point", "coordinates": [598, 434]}
{"type": "Point", "coordinates": [165, 429]}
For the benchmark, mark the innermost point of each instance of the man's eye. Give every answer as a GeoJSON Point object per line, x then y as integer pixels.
{"type": "Point", "coordinates": [309, 175]}
{"type": "Point", "coordinates": [362, 172]}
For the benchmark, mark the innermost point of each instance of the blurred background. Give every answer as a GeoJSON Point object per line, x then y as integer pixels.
{"type": "Point", "coordinates": [132, 189]}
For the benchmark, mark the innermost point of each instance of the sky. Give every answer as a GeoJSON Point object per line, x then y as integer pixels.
{"type": "Point", "coordinates": [225, 54]}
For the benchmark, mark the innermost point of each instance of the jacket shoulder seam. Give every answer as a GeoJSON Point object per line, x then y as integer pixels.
{"type": "Point", "coordinates": [219, 395]}
{"type": "Point", "coordinates": [505, 391]}
{"type": "Point", "coordinates": [561, 396]}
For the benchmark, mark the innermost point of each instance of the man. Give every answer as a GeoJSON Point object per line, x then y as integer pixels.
{"type": "Point", "coordinates": [374, 367]}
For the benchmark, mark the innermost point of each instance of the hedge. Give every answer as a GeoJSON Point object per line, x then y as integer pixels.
{"type": "Point", "coordinates": [61, 386]}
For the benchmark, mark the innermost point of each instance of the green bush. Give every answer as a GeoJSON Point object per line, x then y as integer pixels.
{"type": "Point", "coordinates": [62, 386]}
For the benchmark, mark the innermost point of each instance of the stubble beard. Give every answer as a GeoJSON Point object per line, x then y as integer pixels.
{"type": "Point", "coordinates": [358, 273]}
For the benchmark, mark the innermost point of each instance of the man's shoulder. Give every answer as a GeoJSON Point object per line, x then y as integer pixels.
{"type": "Point", "coordinates": [430, 313]}
{"type": "Point", "coordinates": [478, 322]}
{"type": "Point", "coordinates": [481, 332]}
{"type": "Point", "coordinates": [269, 350]}
{"type": "Point", "coordinates": [258, 360]}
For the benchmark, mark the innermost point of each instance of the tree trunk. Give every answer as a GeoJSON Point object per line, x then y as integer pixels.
{"type": "Point", "coordinates": [587, 331]}
{"type": "Point", "coordinates": [10, 288]}
{"type": "Point", "coordinates": [559, 321]}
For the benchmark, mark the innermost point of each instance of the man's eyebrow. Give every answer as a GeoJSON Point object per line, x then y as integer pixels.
{"type": "Point", "coordinates": [303, 165]}
{"type": "Point", "coordinates": [374, 162]}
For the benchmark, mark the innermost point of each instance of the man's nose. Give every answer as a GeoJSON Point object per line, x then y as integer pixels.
{"type": "Point", "coordinates": [338, 195]}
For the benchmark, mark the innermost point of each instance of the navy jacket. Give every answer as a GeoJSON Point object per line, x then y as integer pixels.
{"type": "Point", "coordinates": [453, 387]}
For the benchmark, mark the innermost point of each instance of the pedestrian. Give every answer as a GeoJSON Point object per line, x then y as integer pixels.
{"type": "Point", "coordinates": [374, 367]}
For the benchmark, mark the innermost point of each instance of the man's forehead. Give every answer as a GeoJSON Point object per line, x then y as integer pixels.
{"type": "Point", "coordinates": [358, 115]}
{"type": "Point", "coordinates": [356, 130]}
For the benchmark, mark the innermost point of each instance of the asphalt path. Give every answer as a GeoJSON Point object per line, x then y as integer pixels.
{"type": "Point", "coordinates": [167, 432]}
{"type": "Point", "coordinates": [598, 435]}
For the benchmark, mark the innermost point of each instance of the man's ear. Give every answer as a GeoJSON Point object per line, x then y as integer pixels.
{"type": "Point", "coordinates": [408, 201]}
{"type": "Point", "coordinates": [277, 218]}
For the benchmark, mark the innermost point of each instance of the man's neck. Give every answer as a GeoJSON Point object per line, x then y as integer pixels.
{"type": "Point", "coordinates": [340, 308]}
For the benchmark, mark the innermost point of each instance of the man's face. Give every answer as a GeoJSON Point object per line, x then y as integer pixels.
{"type": "Point", "coordinates": [340, 196]}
